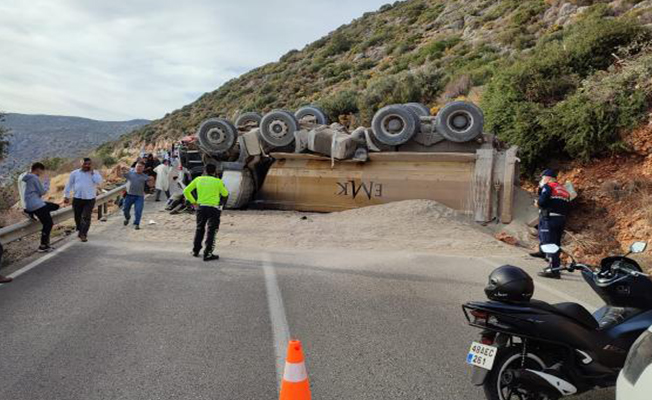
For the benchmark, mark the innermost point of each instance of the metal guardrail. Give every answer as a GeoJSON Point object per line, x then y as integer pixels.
{"type": "Point", "coordinates": [21, 229]}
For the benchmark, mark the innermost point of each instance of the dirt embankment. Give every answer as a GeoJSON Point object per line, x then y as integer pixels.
{"type": "Point", "coordinates": [614, 208]}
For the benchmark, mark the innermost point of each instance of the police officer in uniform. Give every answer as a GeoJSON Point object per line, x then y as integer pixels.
{"type": "Point", "coordinates": [211, 197]}
{"type": "Point", "coordinates": [554, 204]}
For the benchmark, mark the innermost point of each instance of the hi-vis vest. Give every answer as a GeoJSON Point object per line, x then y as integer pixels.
{"type": "Point", "coordinates": [559, 192]}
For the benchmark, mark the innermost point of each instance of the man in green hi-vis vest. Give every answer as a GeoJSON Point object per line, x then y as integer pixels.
{"type": "Point", "coordinates": [211, 197]}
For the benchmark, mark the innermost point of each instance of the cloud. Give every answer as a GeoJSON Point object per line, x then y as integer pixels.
{"type": "Point", "coordinates": [143, 58]}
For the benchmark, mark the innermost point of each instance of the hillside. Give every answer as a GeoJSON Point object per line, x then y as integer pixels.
{"type": "Point", "coordinates": [530, 63]}
{"type": "Point", "coordinates": [36, 137]}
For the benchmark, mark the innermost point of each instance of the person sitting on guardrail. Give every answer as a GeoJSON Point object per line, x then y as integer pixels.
{"type": "Point", "coordinates": [83, 183]}
{"type": "Point", "coordinates": [21, 194]}
{"type": "Point", "coordinates": [34, 204]}
{"type": "Point", "coordinates": [3, 279]}
{"type": "Point", "coordinates": [211, 197]}
{"type": "Point", "coordinates": [136, 183]}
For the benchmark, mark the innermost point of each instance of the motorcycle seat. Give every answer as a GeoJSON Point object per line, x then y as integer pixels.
{"type": "Point", "coordinates": [573, 311]}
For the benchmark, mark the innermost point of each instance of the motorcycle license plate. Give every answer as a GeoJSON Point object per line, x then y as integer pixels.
{"type": "Point", "coordinates": [482, 356]}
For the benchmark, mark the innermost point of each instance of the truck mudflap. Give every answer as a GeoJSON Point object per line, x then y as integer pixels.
{"type": "Point", "coordinates": [306, 182]}
{"type": "Point", "coordinates": [479, 376]}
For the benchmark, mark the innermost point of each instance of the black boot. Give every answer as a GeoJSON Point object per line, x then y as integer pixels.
{"type": "Point", "coordinates": [538, 254]}
{"type": "Point", "coordinates": [211, 257]}
{"type": "Point", "coordinates": [549, 273]}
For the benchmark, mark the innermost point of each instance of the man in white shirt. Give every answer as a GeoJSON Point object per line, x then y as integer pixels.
{"type": "Point", "coordinates": [83, 183]}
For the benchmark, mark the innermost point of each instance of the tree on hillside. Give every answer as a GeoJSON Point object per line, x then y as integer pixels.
{"type": "Point", "coordinates": [4, 135]}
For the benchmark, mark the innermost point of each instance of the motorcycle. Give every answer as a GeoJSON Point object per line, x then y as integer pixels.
{"type": "Point", "coordinates": [533, 350]}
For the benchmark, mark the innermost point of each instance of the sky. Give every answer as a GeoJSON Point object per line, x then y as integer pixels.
{"type": "Point", "coordinates": [120, 59]}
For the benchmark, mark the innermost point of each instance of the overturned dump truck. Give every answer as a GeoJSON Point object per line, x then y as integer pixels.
{"type": "Point", "coordinates": [299, 161]}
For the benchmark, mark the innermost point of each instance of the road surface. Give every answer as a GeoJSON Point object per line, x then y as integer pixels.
{"type": "Point", "coordinates": [119, 318]}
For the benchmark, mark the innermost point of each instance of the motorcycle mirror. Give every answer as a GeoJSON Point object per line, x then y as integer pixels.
{"type": "Point", "coordinates": [638, 247]}
{"type": "Point", "coordinates": [550, 248]}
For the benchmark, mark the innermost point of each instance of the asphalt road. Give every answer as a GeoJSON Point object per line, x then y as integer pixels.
{"type": "Point", "coordinates": [123, 319]}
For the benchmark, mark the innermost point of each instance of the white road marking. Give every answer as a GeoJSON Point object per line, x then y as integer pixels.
{"type": "Point", "coordinates": [280, 329]}
{"type": "Point", "coordinates": [540, 285]}
{"type": "Point", "coordinates": [41, 260]}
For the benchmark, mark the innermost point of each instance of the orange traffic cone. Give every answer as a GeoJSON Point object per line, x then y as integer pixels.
{"type": "Point", "coordinates": [295, 384]}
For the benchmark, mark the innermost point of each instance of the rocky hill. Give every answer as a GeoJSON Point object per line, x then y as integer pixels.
{"type": "Point", "coordinates": [36, 137]}
{"type": "Point", "coordinates": [532, 64]}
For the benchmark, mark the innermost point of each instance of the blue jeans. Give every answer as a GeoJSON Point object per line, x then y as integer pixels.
{"type": "Point", "coordinates": [139, 202]}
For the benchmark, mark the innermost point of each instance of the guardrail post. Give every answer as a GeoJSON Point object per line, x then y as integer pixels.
{"type": "Point", "coordinates": [105, 209]}
{"type": "Point", "coordinates": [99, 212]}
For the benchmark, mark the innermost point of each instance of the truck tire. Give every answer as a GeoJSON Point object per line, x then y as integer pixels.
{"type": "Point", "coordinates": [277, 128]}
{"type": "Point", "coordinates": [419, 108]}
{"type": "Point", "coordinates": [217, 136]}
{"type": "Point", "coordinates": [460, 121]}
{"type": "Point", "coordinates": [241, 188]}
{"type": "Point", "coordinates": [316, 115]}
{"type": "Point", "coordinates": [394, 125]}
{"type": "Point", "coordinates": [248, 121]}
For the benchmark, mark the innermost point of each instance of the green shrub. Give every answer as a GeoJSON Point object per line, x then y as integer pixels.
{"type": "Point", "coordinates": [527, 11]}
{"type": "Point", "coordinates": [53, 163]}
{"type": "Point", "coordinates": [109, 161]}
{"type": "Point", "coordinates": [431, 13]}
{"type": "Point", "coordinates": [435, 49]}
{"type": "Point", "coordinates": [402, 88]}
{"type": "Point", "coordinates": [341, 103]}
{"type": "Point", "coordinates": [555, 102]}
{"type": "Point", "coordinates": [339, 43]}
{"type": "Point", "coordinates": [264, 102]}
{"type": "Point", "coordinates": [365, 65]}
{"type": "Point", "coordinates": [289, 55]}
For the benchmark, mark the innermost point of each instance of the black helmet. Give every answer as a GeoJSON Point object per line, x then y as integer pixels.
{"type": "Point", "coordinates": [509, 283]}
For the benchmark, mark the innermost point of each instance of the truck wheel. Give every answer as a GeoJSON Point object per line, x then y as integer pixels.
{"type": "Point", "coordinates": [460, 121]}
{"type": "Point", "coordinates": [396, 124]}
{"type": "Point", "coordinates": [419, 108]}
{"type": "Point", "coordinates": [217, 136]}
{"type": "Point", "coordinates": [241, 188]}
{"type": "Point", "coordinates": [312, 114]}
{"type": "Point", "coordinates": [248, 121]}
{"type": "Point", "coordinates": [277, 128]}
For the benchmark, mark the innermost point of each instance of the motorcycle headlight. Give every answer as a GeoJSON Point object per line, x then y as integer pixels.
{"type": "Point", "coordinates": [639, 358]}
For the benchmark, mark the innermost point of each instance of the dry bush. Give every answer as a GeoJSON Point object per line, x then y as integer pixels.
{"type": "Point", "coordinates": [611, 189]}
{"type": "Point", "coordinates": [456, 88]}
{"type": "Point", "coordinates": [8, 197]}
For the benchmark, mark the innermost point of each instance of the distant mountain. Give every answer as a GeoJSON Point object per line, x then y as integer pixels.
{"type": "Point", "coordinates": [36, 137]}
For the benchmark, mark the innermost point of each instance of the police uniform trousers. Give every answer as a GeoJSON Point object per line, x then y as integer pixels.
{"type": "Point", "coordinates": [207, 217]}
{"type": "Point", "coordinates": [551, 229]}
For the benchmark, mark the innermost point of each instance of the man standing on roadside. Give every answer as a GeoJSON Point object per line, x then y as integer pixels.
{"type": "Point", "coordinates": [211, 197]}
{"type": "Point", "coordinates": [83, 183]}
{"type": "Point", "coordinates": [3, 279]}
{"type": "Point", "coordinates": [136, 182]}
{"type": "Point", "coordinates": [554, 204]}
{"type": "Point", "coordinates": [34, 204]}
{"type": "Point", "coordinates": [163, 179]}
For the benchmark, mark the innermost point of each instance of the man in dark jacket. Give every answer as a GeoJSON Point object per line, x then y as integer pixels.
{"type": "Point", "coordinates": [34, 204]}
{"type": "Point", "coordinates": [554, 204]}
